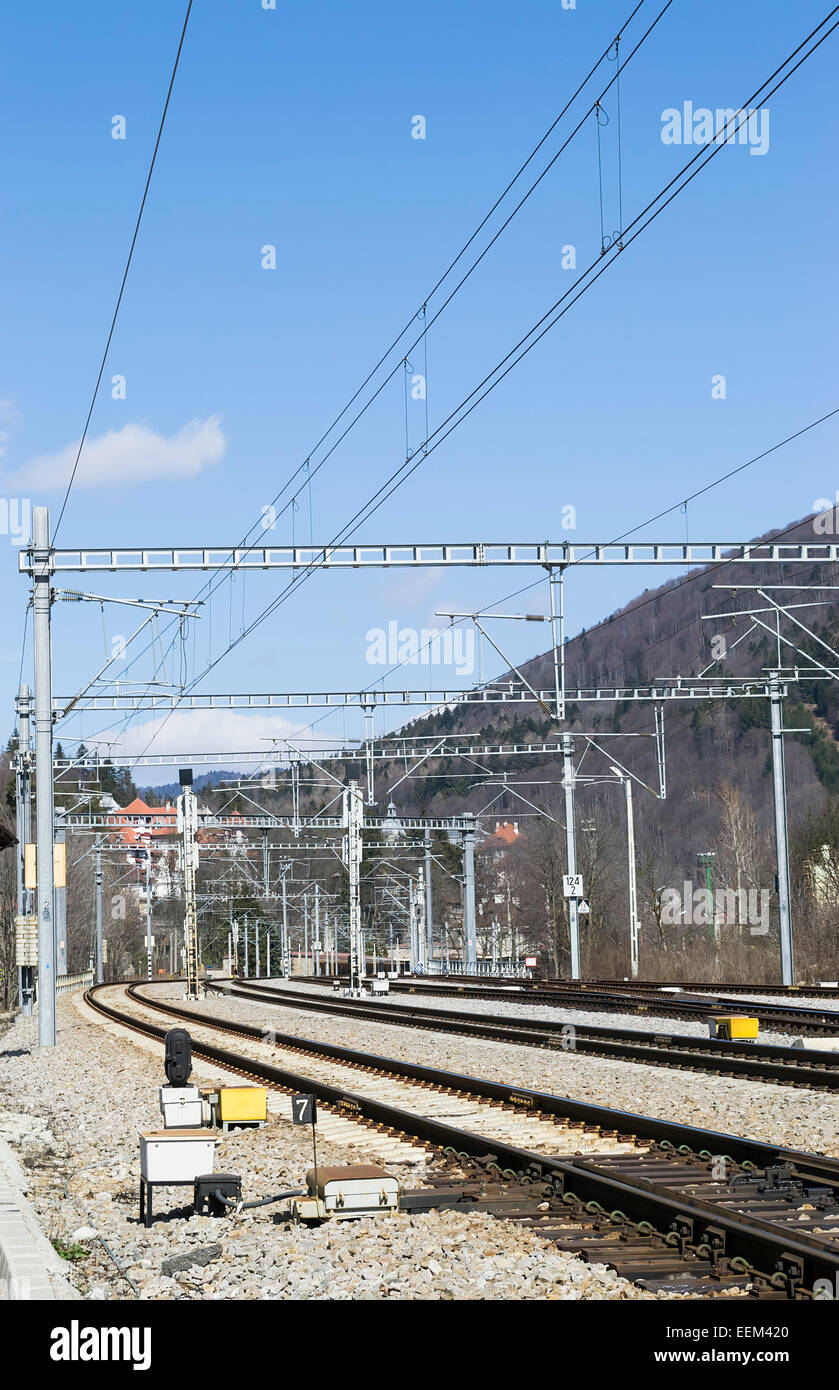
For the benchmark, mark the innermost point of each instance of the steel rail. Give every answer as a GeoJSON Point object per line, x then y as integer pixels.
{"type": "Point", "coordinates": [779, 1017]}
{"type": "Point", "coordinates": [789, 1260]}
{"type": "Point", "coordinates": [755, 1061]}
{"type": "Point", "coordinates": [745, 1151]}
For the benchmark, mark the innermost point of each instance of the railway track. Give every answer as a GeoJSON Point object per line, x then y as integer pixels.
{"type": "Point", "coordinates": [778, 1018]}
{"type": "Point", "coordinates": [514, 982]}
{"type": "Point", "coordinates": [786, 1066]}
{"type": "Point", "coordinates": [705, 987]}
{"type": "Point", "coordinates": [669, 1206]}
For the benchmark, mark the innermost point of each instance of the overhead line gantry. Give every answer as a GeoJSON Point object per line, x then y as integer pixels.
{"type": "Point", "coordinates": [40, 560]}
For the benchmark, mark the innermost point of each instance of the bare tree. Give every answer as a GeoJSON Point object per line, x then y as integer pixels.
{"type": "Point", "coordinates": [739, 848]}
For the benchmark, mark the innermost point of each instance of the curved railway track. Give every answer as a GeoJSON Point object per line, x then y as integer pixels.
{"type": "Point", "coordinates": [669, 1206]}
{"type": "Point", "coordinates": [786, 1066]}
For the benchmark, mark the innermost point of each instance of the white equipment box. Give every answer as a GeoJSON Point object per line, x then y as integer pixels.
{"type": "Point", "coordinates": [342, 1193]}
{"type": "Point", "coordinates": [176, 1155]}
{"type": "Point", "coordinates": [181, 1107]}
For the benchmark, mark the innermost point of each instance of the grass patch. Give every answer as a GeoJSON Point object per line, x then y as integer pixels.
{"type": "Point", "coordinates": [72, 1252]}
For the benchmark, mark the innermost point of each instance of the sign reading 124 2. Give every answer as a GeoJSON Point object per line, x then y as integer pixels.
{"type": "Point", "coordinates": [572, 885]}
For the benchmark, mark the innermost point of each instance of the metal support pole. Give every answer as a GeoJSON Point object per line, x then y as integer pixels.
{"type": "Point", "coordinates": [306, 970]}
{"type": "Point", "coordinates": [256, 946]}
{"type": "Point", "coordinates": [419, 915]}
{"type": "Point", "coordinates": [19, 857]}
{"type": "Point", "coordinates": [23, 825]}
{"type": "Point", "coordinates": [60, 903]}
{"type": "Point", "coordinates": [353, 819]}
{"type": "Point", "coordinates": [412, 925]}
{"type": "Point", "coordinates": [268, 953]}
{"type": "Point", "coordinates": [188, 825]}
{"type": "Point", "coordinates": [286, 950]}
{"type": "Point", "coordinates": [557, 580]}
{"type": "Point", "coordinates": [429, 926]}
{"type": "Point", "coordinates": [568, 780]}
{"type": "Point", "coordinates": [247, 964]}
{"type": "Point", "coordinates": [148, 912]}
{"type": "Point", "coordinates": [470, 956]}
{"type": "Point", "coordinates": [369, 753]}
{"type": "Point", "coordinates": [779, 785]}
{"type": "Point", "coordinates": [42, 562]}
{"type": "Point", "coordinates": [316, 942]}
{"type": "Point", "coordinates": [100, 965]}
{"type": "Point", "coordinates": [295, 796]}
{"type": "Point", "coordinates": [660, 751]}
{"type": "Point", "coordinates": [633, 889]}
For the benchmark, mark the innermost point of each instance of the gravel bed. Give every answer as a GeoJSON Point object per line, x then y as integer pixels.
{"type": "Point", "coordinates": [503, 1008]}
{"type": "Point", "coordinates": [72, 1115]}
{"type": "Point", "coordinates": [793, 1117]}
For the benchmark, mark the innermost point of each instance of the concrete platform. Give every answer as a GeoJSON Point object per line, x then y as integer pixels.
{"type": "Point", "coordinates": [30, 1269]}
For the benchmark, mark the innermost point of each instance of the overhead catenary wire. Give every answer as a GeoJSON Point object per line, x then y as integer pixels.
{"type": "Point", "coordinates": [699, 573]}
{"type": "Point", "coordinates": [215, 582]}
{"type": "Point", "coordinates": [497, 375]}
{"type": "Point", "coordinates": [396, 480]}
{"type": "Point", "coordinates": [422, 310]}
{"type": "Point", "coordinates": [136, 233]}
{"type": "Point", "coordinates": [455, 418]}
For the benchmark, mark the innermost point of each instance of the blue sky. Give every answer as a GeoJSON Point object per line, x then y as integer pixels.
{"type": "Point", "coordinates": [292, 128]}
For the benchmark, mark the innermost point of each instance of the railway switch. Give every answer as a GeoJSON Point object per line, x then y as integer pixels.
{"type": "Point", "coordinates": [347, 1193]}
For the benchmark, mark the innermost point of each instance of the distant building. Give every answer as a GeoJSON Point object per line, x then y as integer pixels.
{"type": "Point", "coordinates": [151, 830]}
{"type": "Point", "coordinates": [139, 823]}
{"type": "Point", "coordinates": [505, 834]}
{"type": "Point", "coordinates": [823, 873]}
{"type": "Point", "coordinates": [392, 824]}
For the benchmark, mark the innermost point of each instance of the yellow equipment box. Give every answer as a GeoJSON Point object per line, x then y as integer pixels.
{"type": "Point", "coordinates": [242, 1105]}
{"type": "Point", "coordinates": [733, 1026]}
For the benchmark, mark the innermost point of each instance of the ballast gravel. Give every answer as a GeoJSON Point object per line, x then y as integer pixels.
{"type": "Point", "coordinates": [551, 1013]}
{"type": "Point", "coordinates": [791, 1117]}
{"type": "Point", "coordinates": [72, 1115]}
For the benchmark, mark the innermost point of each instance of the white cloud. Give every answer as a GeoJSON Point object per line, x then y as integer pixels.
{"type": "Point", "coordinates": [133, 454]}
{"type": "Point", "coordinates": [198, 731]}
